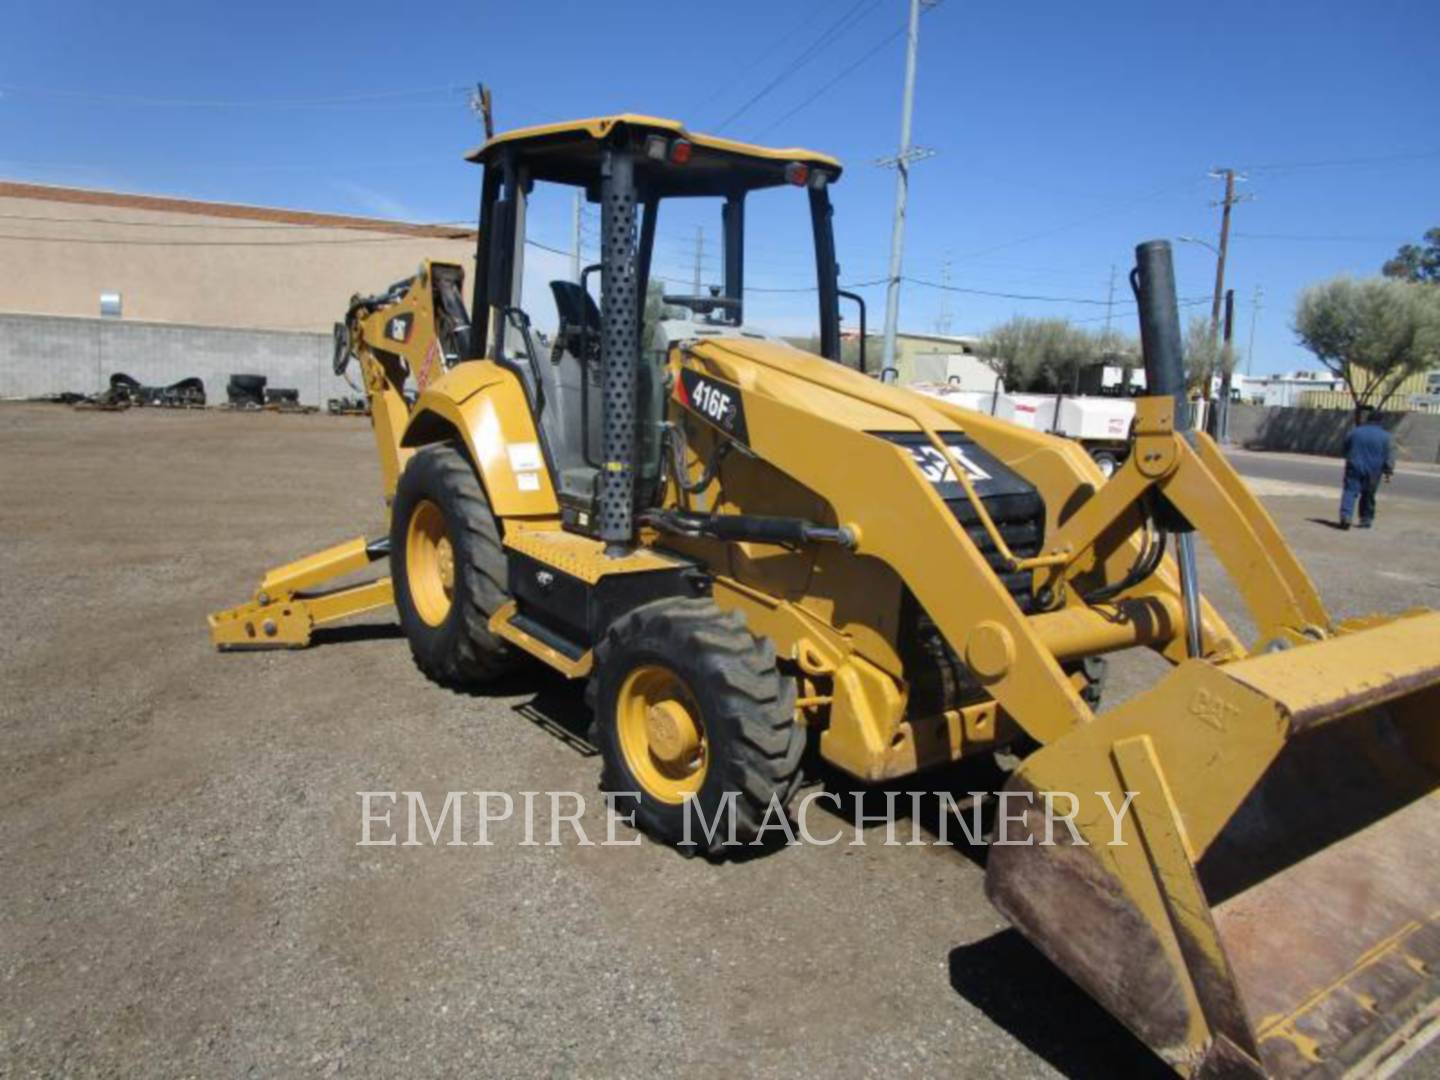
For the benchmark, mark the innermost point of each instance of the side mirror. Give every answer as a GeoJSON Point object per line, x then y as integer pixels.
{"type": "Point", "coordinates": [860, 302]}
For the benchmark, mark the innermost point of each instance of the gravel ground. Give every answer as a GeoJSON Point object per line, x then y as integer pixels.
{"type": "Point", "coordinates": [180, 886]}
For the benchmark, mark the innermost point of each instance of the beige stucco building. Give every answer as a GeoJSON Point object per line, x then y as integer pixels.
{"type": "Point", "coordinates": [201, 263]}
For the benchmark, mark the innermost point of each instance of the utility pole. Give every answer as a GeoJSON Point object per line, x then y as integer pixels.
{"type": "Point", "coordinates": [1227, 364]}
{"type": "Point", "coordinates": [1225, 204]}
{"type": "Point", "coordinates": [942, 321]}
{"type": "Point", "coordinates": [902, 161]}
{"type": "Point", "coordinates": [1254, 315]}
{"type": "Point", "coordinates": [1110, 302]}
{"type": "Point", "coordinates": [575, 238]}
{"type": "Point", "coordinates": [699, 257]}
{"type": "Point", "coordinates": [480, 105]}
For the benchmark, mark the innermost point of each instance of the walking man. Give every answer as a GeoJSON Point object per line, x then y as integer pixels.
{"type": "Point", "coordinates": [1369, 455]}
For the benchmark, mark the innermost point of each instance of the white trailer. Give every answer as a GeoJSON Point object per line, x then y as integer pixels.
{"type": "Point", "coordinates": [1100, 424]}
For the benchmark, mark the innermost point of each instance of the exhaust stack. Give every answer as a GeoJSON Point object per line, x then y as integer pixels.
{"type": "Point", "coordinates": [1153, 280]}
{"type": "Point", "coordinates": [619, 351]}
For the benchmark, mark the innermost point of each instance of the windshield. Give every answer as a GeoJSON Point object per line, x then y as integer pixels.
{"type": "Point", "coordinates": [773, 294]}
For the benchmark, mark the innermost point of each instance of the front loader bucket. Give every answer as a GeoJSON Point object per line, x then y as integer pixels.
{"type": "Point", "coordinates": [1269, 903]}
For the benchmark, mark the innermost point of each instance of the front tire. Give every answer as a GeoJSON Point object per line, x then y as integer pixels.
{"type": "Point", "coordinates": [448, 568]}
{"type": "Point", "coordinates": [693, 715]}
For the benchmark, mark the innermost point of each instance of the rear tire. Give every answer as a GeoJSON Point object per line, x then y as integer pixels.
{"type": "Point", "coordinates": [687, 662]}
{"type": "Point", "coordinates": [1108, 460]}
{"type": "Point", "coordinates": [449, 569]}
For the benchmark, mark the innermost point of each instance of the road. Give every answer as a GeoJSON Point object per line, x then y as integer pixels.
{"type": "Point", "coordinates": [1410, 482]}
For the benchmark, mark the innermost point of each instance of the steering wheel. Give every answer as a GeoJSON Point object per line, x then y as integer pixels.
{"type": "Point", "coordinates": [703, 305]}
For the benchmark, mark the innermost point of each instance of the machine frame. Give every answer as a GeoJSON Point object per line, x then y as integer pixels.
{"type": "Point", "coordinates": [805, 519]}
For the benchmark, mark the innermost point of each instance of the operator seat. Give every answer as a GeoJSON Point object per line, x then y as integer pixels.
{"type": "Point", "coordinates": [573, 377]}
{"type": "Point", "coordinates": [579, 320]}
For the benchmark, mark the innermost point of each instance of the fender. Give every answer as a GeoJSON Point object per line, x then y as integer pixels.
{"type": "Point", "coordinates": [486, 406]}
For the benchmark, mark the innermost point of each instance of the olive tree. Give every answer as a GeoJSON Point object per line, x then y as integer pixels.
{"type": "Point", "coordinates": [851, 349]}
{"type": "Point", "coordinates": [1041, 355]}
{"type": "Point", "coordinates": [1417, 262]}
{"type": "Point", "coordinates": [1205, 356]}
{"type": "Point", "coordinates": [1373, 334]}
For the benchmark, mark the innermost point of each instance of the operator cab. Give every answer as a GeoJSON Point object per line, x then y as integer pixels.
{"type": "Point", "coordinates": [619, 314]}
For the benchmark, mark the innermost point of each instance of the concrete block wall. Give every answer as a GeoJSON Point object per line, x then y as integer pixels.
{"type": "Point", "coordinates": [50, 354]}
{"type": "Point", "coordinates": [1322, 431]}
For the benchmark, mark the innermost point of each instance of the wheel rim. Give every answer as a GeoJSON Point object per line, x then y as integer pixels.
{"type": "Point", "coordinates": [429, 563]}
{"type": "Point", "coordinates": [661, 733]}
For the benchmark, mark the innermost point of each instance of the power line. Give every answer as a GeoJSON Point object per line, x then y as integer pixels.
{"type": "Point", "coordinates": [547, 247]}
{"type": "Point", "coordinates": [238, 167]}
{"type": "Point", "coordinates": [811, 288]}
{"type": "Point", "coordinates": [1325, 239]}
{"type": "Point", "coordinates": [204, 225]}
{"type": "Point", "coordinates": [1193, 301]}
{"type": "Point", "coordinates": [1343, 162]}
{"type": "Point", "coordinates": [828, 37]}
{"type": "Point", "coordinates": [775, 46]}
{"type": "Point", "coordinates": [1089, 301]}
{"type": "Point", "coordinates": [1006, 295]}
{"type": "Point", "coordinates": [839, 77]}
{"type": "Point", "coordinates": [254, 103]}
{"type": "Point", "coordinates": [116, 242]}
{"type": "Point", "coordinates": [1115, 209]}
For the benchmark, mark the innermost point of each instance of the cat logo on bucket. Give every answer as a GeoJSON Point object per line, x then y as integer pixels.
{"type": "Point", "coordinates": [937, 469]}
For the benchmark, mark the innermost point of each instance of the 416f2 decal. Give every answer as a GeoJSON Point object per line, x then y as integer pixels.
{"type": "Point", "coordinates": [713, 400]}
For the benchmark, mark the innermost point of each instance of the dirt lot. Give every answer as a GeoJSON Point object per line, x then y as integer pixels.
{"type": "Point", "coordinates": [180, 886]}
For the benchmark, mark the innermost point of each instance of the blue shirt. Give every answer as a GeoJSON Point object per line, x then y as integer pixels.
{"type": "Point", "coordinates": [1369, 450]}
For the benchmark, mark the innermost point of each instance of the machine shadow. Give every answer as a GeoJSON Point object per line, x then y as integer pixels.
{"type": "Point", "coordinates": [557, 708]}
{"type": "Point", "coordinates": [344, 635]}
{"type": "Point", "coordinates": [1019, 990]}
{"type": "Point", "coordinates": [969, 782]}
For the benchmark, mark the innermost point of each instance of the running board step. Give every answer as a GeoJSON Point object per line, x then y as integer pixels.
{"type": "Point", "coordinates": [565, 656]}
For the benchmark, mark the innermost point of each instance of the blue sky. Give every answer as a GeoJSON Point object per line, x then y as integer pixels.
{"type": "Point", "coordinates": [1064, 133]}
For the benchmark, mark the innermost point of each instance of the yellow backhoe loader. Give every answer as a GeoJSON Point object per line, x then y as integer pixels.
{"type": "Point", "coordinates": [747, 548]}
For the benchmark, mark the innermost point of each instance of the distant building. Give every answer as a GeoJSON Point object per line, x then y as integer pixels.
{"type": "Point", "coordinates": [1324, 390]}
{"type": "Point", "coordinates": [935, 357]}
{"type": "Point", "coordinates": [94, 254]}
{"type": "Point", "coordinates": [1418, 393]}
{"type": "Point", "coordinates": [1285, 388]}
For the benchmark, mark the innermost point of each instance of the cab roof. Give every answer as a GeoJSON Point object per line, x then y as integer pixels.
{"type": "Point", "coordinates": [570, 153]}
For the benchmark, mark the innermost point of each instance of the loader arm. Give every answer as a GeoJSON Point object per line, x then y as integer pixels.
{"type": "Point", "coordinates": [1205, 488]}
{"type": "Point", "coordinates": [795, 402]}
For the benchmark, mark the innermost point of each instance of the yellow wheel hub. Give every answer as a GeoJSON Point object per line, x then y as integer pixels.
{"type": "Point", "coordinates": [429, 563]}
{"type": "Point", "coordinates": [661, 734]}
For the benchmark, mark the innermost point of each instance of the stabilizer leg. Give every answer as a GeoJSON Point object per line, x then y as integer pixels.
{"type": "Point", "coordinates": [282, 615]}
